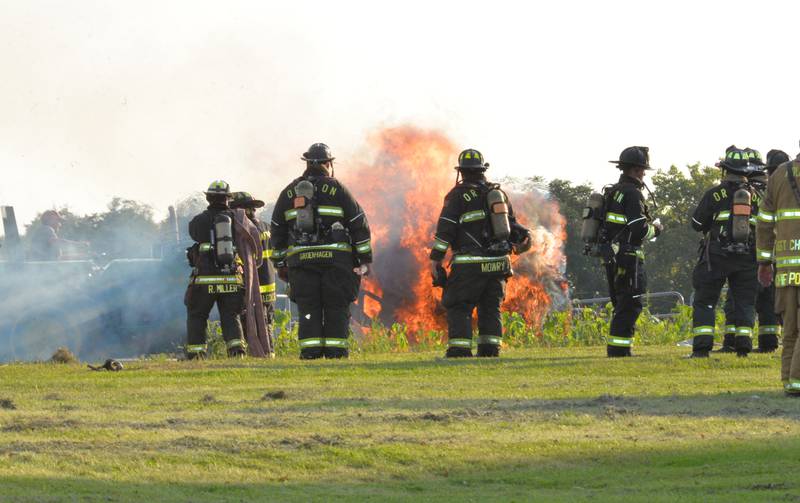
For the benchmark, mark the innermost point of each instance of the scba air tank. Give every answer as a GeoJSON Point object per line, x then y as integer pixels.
{"type": "Point", "coordinates": [740, 216]}
{"type": "Point", "coordinates": [498, 214]}
{"type": "Point", "coordinates": [304, 193]}
{"type": "Point", "coordinates": [223, 236]}
{"type": "Point", "coordinates": [592, 218]}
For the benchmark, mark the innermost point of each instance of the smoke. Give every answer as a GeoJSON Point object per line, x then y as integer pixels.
{"type": "Point", "coordinates": [123, 302]}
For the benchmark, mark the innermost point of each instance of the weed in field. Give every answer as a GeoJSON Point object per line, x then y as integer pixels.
{"type": "Point", "coordinates": [63, 355]}
{"type": "Point", "coordinates": [576, 328]}
{"type": "Point", "coordinates": [7, 404]}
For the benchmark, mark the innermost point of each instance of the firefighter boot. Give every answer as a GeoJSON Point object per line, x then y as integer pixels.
{"type": "Point", "coordinates": [336, 353]}
{"type": "Point", "coordinates": [455, 352]}
{"type": "Point", "coordinates": [488, 350]}
{"type": "Point", "coordinates": [728, 343]}
{"type": "Point", "coordinates": [767, 343]}
{"type": "Point", "coordinates": [618, 352]}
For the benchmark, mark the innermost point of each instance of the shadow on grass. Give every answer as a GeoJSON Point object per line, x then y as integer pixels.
{"type": "Point", "coordinates": [728, 405]}
{"type": "Point", "coordinates": [719, 471]}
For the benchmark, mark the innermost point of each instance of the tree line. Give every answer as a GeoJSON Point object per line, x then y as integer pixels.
{"type": "Point", "coordinates": [669, 261]}
{"type": "Point", "coordinates": [129, 229]}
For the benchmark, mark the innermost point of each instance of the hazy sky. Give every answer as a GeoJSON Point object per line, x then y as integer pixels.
{"type": "Point", "coordinates": [153, 100]}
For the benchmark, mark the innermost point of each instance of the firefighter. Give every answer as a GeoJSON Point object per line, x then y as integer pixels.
{"type": "Point", "coordinates": [46, 244]}
{"type": "Point", "coordinates": [628, 224]}
{"type": "Point", "coordinates": [320, 242]}
{"type": "Point", "coordinates": [216, 275]}
{"type": "Point", "coordinates": [478, 224]}
{"type": "Point", "coordinates": [769, 328]}
{"type": "Point", "coordinates": [778, 231]}
{"type": "Point", "coordinates": [266, 273]}
{"type": "Point", "coordinates": [726, 216]}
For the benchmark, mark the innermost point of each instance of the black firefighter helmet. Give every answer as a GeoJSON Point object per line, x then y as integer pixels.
{"type": "Point", "coordinates": [317, 154]}
{"type": "Point", "coordinates": [754, 158]}
{"type": "Point", "coordinates": [471, 159]}
{"type": "Point", "coordinates": [736, 161]}
{"type": "Point", "coordinates": [775, 158]}
{"type": "Point", "coordinates": [245, 200]}
{"type": "Point", "coordinates": [634, 156]}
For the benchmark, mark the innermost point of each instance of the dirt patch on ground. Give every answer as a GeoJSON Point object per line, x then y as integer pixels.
{"type": "Point", "coordinates": [39, 424]}
{"type": "Point", "coordinates": [208, 399]}
{"type": "Point", "coordinates": [311, 442]}
{"type": "Point", "coordinates": [7, 404]}
{"type": "Point", "coordinates": [274, 395]}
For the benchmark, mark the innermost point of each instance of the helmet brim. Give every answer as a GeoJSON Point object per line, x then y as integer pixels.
{"type": "Point", "coordinates": [316, 160]}
{"type": "Point", "coordinates": [228, 195]}
{"type": "Point", "coordinates": [255, 203]}
{"type": "Point", "coordinates": [619, 164]}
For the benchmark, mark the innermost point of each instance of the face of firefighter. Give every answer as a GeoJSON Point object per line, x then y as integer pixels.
{"type": "Point", "coordinates": [636, 172]}
{"type": "Point", "coordinates": [250, 212]}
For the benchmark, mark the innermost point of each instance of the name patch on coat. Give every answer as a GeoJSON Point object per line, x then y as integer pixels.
{"type": "Point", "coordinates": [316, 255]}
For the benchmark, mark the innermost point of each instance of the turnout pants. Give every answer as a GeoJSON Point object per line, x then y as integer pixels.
{"type": "Point", "coordinates": [787, 303]}
{"type": "Point", "coordinates": [200, 299]}
{"type": "Point", "coordinates": [740, 271]}
{"type": "Point", "coordinates": [323, 294]}
{"type": "Point", "coordinates": [466, 290]}
{"type": "Point", "coordinates": [769, 326]}
{"type": "Point", "coordinates": [627, 282]}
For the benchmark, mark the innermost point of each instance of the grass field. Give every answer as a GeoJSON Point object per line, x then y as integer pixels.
{"type": "Point", "coordinates": [562, 424]}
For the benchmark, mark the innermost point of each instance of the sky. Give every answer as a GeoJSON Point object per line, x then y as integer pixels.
{"type": "Point", "coordinates": [152, 100]}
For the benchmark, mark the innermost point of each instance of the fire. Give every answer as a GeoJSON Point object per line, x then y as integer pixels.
{"type": "Point", "coordinates": [402, 189]}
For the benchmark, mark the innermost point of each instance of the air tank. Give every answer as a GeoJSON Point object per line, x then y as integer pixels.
{"type": "Point", "coordinates": [740, 216]}
{"type": "Point", "coordinates": [498, 214]}
{"type": "Point", "coordinates": [304, 191]}
{"type": "Point", "coordinates": [223, 236]}
{"type": "Point", "coordinates": [592, 218]}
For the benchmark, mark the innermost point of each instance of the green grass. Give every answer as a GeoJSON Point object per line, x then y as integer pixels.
{"type": "Point", "coordinates": [546, 424]}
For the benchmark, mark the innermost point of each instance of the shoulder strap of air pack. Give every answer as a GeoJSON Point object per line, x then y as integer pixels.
{"type": "Point", "coordinates": [793, 181]}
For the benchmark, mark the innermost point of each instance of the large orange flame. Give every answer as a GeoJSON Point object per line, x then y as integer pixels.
{"type": "Point", "coordinates": [402, 189]}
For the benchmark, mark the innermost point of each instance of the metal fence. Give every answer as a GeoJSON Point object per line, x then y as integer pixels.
{"type": "Point", "coordinates": [647, 298]}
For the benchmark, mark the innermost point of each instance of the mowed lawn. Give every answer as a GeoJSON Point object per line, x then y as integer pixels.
{"type": "Point", "coordinates": [543, 424]}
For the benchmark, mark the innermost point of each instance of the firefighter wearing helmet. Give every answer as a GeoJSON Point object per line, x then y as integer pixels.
{"type": "Point", "coordinates": [777, 229]}
{"type": "Point", "coordinates": [218, 275]}
{"type": "Point", "coordinates": [726, 215]}
{"type": "Point", "coordinates": [320, 242]}
{"type": "Point", "coordinates": [266, 273]}
{"type": "Point", "coordinates": [769, 328]}
{"type": "Point", "coordinates": [477, 223]}
{"type": "Point", "coordinates": [626, 226]}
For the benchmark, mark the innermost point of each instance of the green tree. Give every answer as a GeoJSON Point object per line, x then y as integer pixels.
{"type": "Point", "coordinates": [671, 260]}
{"type": "Point", "coordinates": [585, 274]}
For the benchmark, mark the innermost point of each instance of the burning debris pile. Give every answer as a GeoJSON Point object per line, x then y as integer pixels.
{"type": "Point", "coordinates": [402, 189]}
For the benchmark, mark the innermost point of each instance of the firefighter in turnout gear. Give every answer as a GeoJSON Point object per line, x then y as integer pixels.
{"type": "Point", "coordinates": [778, 245]}
{"type": "Point", "coordinates": [321, 244]}
{"type": "Point", "coordinates": [769, 328]}
{"type": "Point", "coordinates": [478, 224]}
{"type": "Point", "coordinates": [266, 273]}
{"type": "Point", "coordinates": [626, 227]}
{"type": "Point", "coordinates": [216, 275]}
{"type": "Point", "coordinates": [726, 215]}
